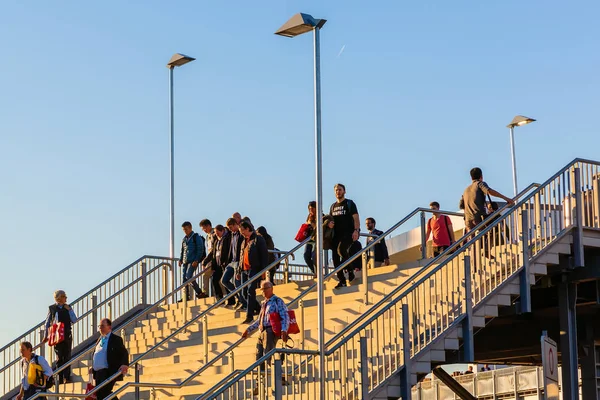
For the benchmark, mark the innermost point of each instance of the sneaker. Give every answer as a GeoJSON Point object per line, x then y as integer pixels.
{"type": "Point", "coordinates": [340, 285]}
{"type": "Point", "coordinates": [239, 305]}
{"type": "Point", "coordinates": [248, 321]}
{"type": "Point", "coordinates": [201, 295]}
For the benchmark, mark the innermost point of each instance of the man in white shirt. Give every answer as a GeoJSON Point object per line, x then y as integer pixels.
{"type": "Point", "coordinates": [30, 389]}
{"type": "Point", "coordinates": [110, 356]}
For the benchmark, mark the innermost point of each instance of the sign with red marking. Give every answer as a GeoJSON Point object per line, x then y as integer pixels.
{"type": "Point", "coordinates": [550, 367]}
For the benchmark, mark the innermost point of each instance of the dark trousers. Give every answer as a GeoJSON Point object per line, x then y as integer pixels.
{"type": "Point", "coordinates": [310, 255]}
{"type": "Point", "coordinates": [100, 376]}
{"type": "Point", "coordinates": [340, 253]}
{"type": "Point", "coordinates": [32, 391]}
{"type": "Point", "coordinates": [253, 305]}
{"type": "Point", "coordinates": [63, 356]}
{"type": "Point", "coordinates": [216, 282]}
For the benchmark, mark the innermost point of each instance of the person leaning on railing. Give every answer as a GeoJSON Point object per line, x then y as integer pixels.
{"type": "Point", "coordinates": [473, 199]}
{"type": "Point", "coordinates": [62, 312]}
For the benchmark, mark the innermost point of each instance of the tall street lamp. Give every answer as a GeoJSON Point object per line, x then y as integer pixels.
{"type": "Point", "coordinates": [176, 61]}
{"type": "Point", "coordinates": [297, 25]}
{"type": "Point", "coordinates": [519, 120]}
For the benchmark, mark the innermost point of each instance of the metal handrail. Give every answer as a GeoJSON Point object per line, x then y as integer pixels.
{"type": "Point", "coordinates": [256, 364]}
{"type": "Point", "coordinates": [173, 293]}
{"type": "Point", "coordinates": [81, 318]}
{"type": "Point", "coordinates": [201, 315]}
{"type": "Point", "coordinates": [86, 295]}
{"type": "Point", "coordinates": [444, 254]}
{"type": "Point", "coordinates": [387, 304]}
{"type": "Point", "coordinates": [133, 319]}
{"type": "Point", "coordinates": [387, 233]}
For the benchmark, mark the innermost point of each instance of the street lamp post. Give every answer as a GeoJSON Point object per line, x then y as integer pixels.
{"type": "Point", "coordinates": [176, 61]}
{"type": "Point", "coordinates": [519, 120]}
{"type": "Point", "coordinates": [297, 25]}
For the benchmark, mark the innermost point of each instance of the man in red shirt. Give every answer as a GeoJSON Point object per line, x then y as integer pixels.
{"type": "Point", "coordinates": [441, 226]}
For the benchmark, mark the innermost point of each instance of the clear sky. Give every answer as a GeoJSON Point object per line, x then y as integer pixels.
{"type": "Point", "coordinates": [421, 92]}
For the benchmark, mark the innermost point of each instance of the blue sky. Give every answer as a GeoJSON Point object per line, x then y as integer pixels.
{"type": "Point", "coordinates": [421, 93]}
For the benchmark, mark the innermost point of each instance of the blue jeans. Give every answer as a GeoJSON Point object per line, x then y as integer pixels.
{"type": "Point", "coordinates": [227, 284]}
{"type": "Point", "coordinates": [188, 272]}
{"type": "Point", "coordinates": [309, 255]}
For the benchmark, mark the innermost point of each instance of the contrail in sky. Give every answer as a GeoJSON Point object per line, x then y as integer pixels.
{"type": "Point", "coordinates": [341, 51]}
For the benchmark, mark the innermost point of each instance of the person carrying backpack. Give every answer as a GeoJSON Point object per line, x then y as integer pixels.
{"type": "Point", "coordinates": [37, 374]}
{"type": "Point", "coordinates": [441, 227]}
{"type": "Point", "coordinates": [192, 254]}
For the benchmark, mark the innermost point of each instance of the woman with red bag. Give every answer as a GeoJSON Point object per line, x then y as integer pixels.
{"type": "Point", "coordinates": [61, 313]}
{"type": "Point", "coordinates": [310, 248]}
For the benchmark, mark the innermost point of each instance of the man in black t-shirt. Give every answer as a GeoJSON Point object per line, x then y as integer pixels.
{"type": "Point", "coordinates": [346, 231]}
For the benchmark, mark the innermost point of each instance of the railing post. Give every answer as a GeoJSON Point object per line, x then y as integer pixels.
{"type": "Point", "coordinates": [423, 233]}
{"type": "Point", "coordinates": [467, 325]}
{"type": "Point", "coordinates": [109, 310]}
{"type": "Point", "coordinates": [596, 200]}
{"type": "Point", "coordinates": [405, 387]}
{"type": "Point", "coordinates": [525, 281]}
{"type": "Point", "coordinates": [301, 323]}
{"type": "Point", "coordinates": [278, 376]}
{"type": "Point", "coordinates": [286, 270]}
{"type": "Point", "coordinates": [94, 312]}
{"type": "Point", "coordinates": [186, 290]}
{"type": "Point", "coordinates": [365, 278]}
{"type": "Point", "coordinates": [137, 380]}
{"type": "Point", "coordinates": [143, 285]}
{"type": "Point", "coordinates": [232, 361]}
{"type": "Point", "coordinates": [165, 283]}
{"type": "Point", "coordinates": [364, 369]}
{"type": "Point", "coordinates": [173, 283]}
{"type": "Point", "coordinates": [205, 337]}
{"type": "Point", "coordinates": [43, 345]}
{"type": "Point", "coordinates": [579, 209]}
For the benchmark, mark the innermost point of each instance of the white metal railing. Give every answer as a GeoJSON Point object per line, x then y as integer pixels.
{"type": "Point", "coordinates": [410, 319]}
{"type": "Point", "coordinates": [141, 282]}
